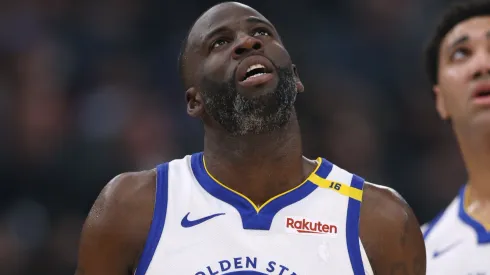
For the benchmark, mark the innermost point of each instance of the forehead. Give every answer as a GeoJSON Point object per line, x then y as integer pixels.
{"type": "Point", "coordinates": [223, 15]}
{"type": "Point", "coordinates": [473, 28]}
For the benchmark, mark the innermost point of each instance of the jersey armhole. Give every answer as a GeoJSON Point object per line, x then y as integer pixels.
{"type": "Point", "coordinates": [158, 220]}
{"type": "Point", "coordinates": [365, 260]}
{"type": "Point", "coordinates": [352, 229]}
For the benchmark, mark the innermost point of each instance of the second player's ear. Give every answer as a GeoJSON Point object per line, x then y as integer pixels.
{"type": "Point", "coordinates": [440, 103]}
{"type": "Point", "coordinates": [195, 104]}
{"type": "Point", "coordinates": [299, 85]}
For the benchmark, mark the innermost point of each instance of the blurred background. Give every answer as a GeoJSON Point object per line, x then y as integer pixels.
{"type": "Point", "coordinates": [89, 89]}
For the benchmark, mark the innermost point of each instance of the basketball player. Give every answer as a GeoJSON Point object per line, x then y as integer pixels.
{"type": "Point", "coordinates": [458, 62]}
{"type": "Point", "coordinates": [250, 203]}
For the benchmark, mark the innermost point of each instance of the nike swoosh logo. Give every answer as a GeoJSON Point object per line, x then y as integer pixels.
{"type": "Point", "coordinates": [438, 253]}
{"type": "Point", "coordinates": [188, 223]}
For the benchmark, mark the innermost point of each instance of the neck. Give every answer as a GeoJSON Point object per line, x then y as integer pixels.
{"type": "Point", "coordinates": [475, 148]}
{"type": "Point", "coordinates": [258, 166]}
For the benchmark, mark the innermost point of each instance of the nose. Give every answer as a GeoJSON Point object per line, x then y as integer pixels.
{"type": "Point", "coordinates": [247, 45]}
{"type": "Point", "coordinates": [482, 66]}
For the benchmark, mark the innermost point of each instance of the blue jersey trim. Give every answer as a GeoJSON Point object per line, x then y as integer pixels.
{"type": "Point", "coordinates": [432, 224]}
{"type": "Point", "coordinates": [251, 219]}
{"type": "Point", "coordinates": [352, 229]}
{"type": "Point", "coordinates": [158, 221]}
{"type": "Point", "coordinates": [324, 169]}
{"type": "Point", "coordinates": [482, 234]}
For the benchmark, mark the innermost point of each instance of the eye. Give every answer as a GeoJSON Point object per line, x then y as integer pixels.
{"type": "Point", "coordinates": [261, 32]}
{"type": "Point", "coordinates": [218, 43]}
{"type": "Point", "coordinates": [460, 54]}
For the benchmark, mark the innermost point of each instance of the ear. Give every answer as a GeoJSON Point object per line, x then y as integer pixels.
{"type": "Point", "coordinates": [195, 104]}
{"type": "Point", "coordinates": [440, 103]}
{"type": "Point", "coordinates": [299, 85]}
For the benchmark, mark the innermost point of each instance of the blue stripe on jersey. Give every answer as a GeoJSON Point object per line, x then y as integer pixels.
{"type": "Point", "coordinates": [432, 224]}
{"type": "Point", "coordinates": [251, 219]}
{"type": "Point", "coordinates": [323, 172]}
{"type": "Point", "coordinates": [352, 228]}
{"type": "Point", "coordinates": [481, 232]}
{"type": "Point", "coordinates": [158, 221]}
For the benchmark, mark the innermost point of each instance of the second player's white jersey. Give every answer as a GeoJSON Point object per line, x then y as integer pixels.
{"type": "Point", "coordinates": [456, 243]}
{"type": "Point", "coordinates": [201, 227]}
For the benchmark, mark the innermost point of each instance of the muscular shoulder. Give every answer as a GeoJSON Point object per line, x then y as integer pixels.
{"type": "Point", "coordinates": [128, 198]}
{"type": "Point", "coordinates": [132, 191]}
{"type": "Point", "coordinates": [390, 233]}
{"type": "Point", "coordinates": [116, 228]}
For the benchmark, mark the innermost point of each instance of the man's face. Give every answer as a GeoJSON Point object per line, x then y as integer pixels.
{"type": "Point", "coordinates": [463, 89]}
{"type": "Point", "coordinates": [241, 69]}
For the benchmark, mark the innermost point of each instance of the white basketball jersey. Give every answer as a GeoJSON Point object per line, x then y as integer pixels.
{"type": "Point", "coordinates": [201, 227]}
{"type": "Point", "coordinates": [456, 243]}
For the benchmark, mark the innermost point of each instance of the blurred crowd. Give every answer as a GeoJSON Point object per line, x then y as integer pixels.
{"type": "Point", "coordinates": [90, 89]}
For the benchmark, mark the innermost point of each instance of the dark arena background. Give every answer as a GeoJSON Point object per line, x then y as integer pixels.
{"type": "Point", "coordinates": [90, 89]}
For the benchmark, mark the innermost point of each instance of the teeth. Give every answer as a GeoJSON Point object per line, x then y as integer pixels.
{"type": "Point", "coordinates": [256, 66]}
{"type": "Point", "coordinates": [255, 75]}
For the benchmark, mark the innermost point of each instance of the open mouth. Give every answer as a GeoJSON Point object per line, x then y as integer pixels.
{"type": "Point", "coordinates": [255, 71]}
{"type": "Point", "coordinates": [484, 93]}
{"type": "Point", "coordinates": [481, 94]}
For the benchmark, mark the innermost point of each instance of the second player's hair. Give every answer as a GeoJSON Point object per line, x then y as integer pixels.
{"type": "Point", "coordinates": [454, 15]}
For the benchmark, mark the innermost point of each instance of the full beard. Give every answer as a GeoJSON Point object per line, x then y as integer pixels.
{"type": "Point", "coordinates": [240, 115]}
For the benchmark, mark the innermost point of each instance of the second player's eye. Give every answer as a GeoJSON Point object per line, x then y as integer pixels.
{"type": "Point", "coordinates": [460, 54]}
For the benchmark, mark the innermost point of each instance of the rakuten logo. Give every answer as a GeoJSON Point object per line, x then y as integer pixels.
{"type": "Point", "coordinates": [303, 225]}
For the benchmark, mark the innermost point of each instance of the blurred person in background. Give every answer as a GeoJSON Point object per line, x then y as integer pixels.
{"type": "Point", "coordinates": [458, 63]}
{"type": "Point", "coordinates": [251, 202]}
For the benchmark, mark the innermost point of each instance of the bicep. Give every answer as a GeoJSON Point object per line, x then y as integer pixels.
{"type": "Point", "coordinates": [391, 235]}
{"type": "Point", "coordinates": [103, 248]}
{"type": "Point", "coordinates": [406, 251]}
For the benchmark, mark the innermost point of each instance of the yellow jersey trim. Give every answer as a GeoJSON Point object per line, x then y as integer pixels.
{"type": "Point", "coordinates": [338, 187]}
{"type": "Point", "coordinates": [258, 208]}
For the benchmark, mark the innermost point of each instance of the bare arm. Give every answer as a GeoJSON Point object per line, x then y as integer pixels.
{"type": "Point", "coordinates": [391, 233]}
{"type": "Point", "coordinates": [115, 230]}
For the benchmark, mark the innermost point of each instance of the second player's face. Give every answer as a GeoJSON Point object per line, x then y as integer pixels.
{"type": "Point", "coordinates": [463, 89]}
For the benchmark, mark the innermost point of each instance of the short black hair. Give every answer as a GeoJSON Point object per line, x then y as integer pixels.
{"type": "Point", "coordinates": [455, 14]}
{"type": "Point", "coordinates": [183, 54]}
{"type": "Point", "coordinates": [181, 59]}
